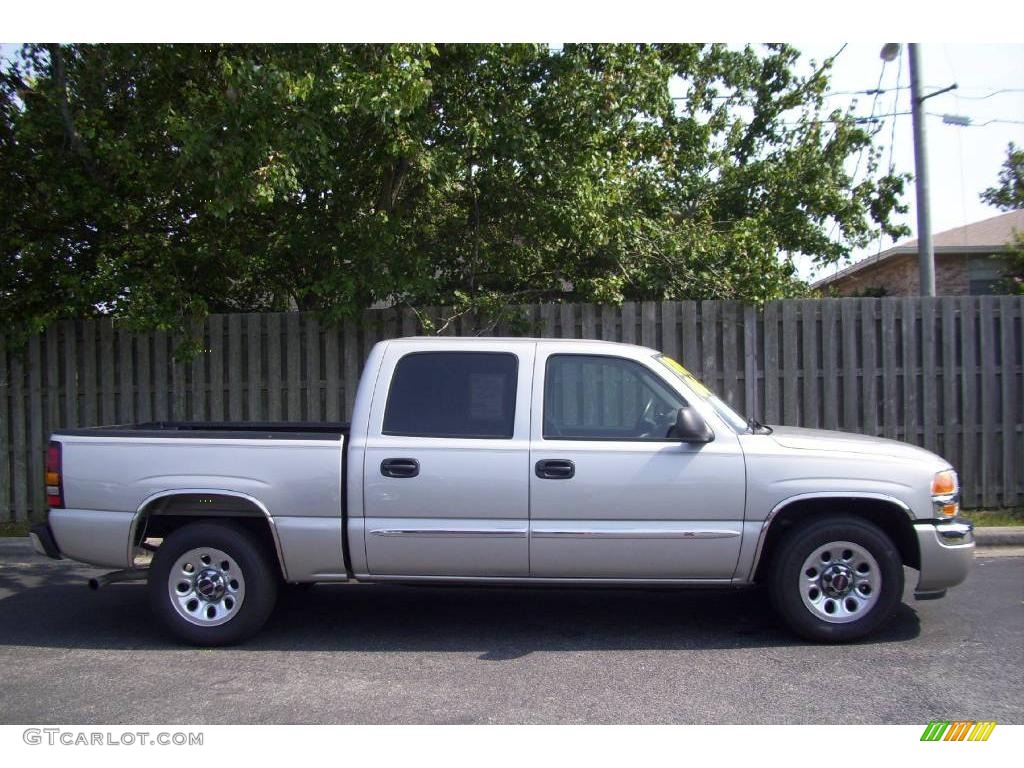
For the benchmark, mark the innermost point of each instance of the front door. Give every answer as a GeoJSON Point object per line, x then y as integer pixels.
{"type": "Point", "coordinates": [446, 487]}
{"type": "Point", "coordinates": [612, 494]}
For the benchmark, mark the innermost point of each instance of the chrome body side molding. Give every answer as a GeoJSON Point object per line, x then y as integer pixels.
{"type": "Point", "coordinates": [457, 533]}
{"type": "Point", "coordinates": [632, 533]}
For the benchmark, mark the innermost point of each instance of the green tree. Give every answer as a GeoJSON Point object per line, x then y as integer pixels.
{"type": "Point", "coordinates": [1008, 196]}
{"type": "Point", "coordinates": [158, 183]}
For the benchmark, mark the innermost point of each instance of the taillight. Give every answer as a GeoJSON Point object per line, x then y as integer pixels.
{"type": "Point", "coordinates": [54, 483]}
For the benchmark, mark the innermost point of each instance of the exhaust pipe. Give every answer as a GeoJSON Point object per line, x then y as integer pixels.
{"type": "Point", "coordinates": [127, 574]}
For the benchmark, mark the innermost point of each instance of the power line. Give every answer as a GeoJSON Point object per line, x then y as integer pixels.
{"type": "Point", "coordinates": [990, 95]}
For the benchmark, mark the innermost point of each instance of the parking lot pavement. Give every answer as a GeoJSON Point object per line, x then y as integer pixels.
{"type": "Point", "coordinates": [376, 654]}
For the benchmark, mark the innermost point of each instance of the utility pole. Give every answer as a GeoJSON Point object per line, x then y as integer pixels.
{"type": "Point", "coordinates": [925, 250]}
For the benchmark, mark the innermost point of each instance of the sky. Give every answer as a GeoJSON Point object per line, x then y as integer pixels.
{"type": "Point", "coordinates": [962, 161]}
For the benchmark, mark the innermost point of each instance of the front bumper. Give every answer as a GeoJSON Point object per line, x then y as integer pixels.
{"type": "Point", "coordinates": [947, 553]}
{"type": "Point", "coordinates": [43, 541]}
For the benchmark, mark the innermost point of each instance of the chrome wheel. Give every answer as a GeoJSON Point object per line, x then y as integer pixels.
{"type": "Point", "coordinates": [206, 587]}
{"type": "Point", "coordinates": [840, 582]}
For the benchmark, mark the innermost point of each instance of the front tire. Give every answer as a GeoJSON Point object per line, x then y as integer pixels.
{"type": "Point", "coordinates": [836, 579]}
{"type": "Point", "coordinates": [212, 583]}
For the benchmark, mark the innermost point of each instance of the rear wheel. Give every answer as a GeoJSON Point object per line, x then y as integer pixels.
{"type": "Point", "coordinates": [212, 583]}
{"type": "Point", "coordinates": [836, 579]}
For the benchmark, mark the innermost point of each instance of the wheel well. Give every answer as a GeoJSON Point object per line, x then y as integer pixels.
{"type": "Point", "coordinates": [163, 516]}
{"type": "Point", "coordinates": [887, 515]}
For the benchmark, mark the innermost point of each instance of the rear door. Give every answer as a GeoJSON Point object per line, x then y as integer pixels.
{"type": "Point", "coordinates": [612, 495]}
{"type": "Point", "coordinates": [446, 489]}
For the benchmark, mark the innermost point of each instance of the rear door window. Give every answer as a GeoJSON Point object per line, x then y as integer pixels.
{"type": "Point", "coordinates": [453, 394]}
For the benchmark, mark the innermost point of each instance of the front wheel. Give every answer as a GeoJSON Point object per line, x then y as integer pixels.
{"type": "Point", "coordinates": [836, 579]}
{"type": "Point", "coordinates": [211, 583]}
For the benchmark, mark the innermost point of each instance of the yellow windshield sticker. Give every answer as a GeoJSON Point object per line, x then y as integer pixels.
{"type": "Point", "coordinates": [693, 381]}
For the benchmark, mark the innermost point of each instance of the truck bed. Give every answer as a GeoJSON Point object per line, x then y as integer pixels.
{"type": "Point", "coordinates": [289, 474]}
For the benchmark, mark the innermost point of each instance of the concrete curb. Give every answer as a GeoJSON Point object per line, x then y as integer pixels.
{"type": "Point", "coordinates": [16, 545]}
{"type": "Point", "coordinates": [1001, 536]}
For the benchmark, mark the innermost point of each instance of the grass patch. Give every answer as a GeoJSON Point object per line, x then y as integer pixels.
{"type": "Point", "coordinates": [990, 518]}
{"type": "Point", "coordinates": [15, 528]}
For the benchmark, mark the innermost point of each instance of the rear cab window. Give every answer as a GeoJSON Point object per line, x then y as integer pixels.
{"type": "Point", "coordinates": [453, 394]}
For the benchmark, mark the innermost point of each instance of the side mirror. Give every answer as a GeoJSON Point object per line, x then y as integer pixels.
{"type": "Point", "coordinates": [691, 428]}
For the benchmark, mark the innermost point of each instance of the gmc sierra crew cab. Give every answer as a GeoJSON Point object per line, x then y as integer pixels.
{"type": "Point", "coordinates": [507, 461]}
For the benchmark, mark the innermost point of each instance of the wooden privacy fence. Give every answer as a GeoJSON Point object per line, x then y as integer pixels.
{"type": "Point", "coordinates": [943, 373]}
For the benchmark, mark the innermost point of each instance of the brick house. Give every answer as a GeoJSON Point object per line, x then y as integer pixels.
{"type": "Point", "coordinates": [967, 263]}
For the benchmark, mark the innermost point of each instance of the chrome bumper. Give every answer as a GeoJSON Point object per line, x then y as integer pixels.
{"type": "Point", "coordinates": [947, 553]}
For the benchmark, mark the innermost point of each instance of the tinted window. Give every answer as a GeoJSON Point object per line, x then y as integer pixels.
{"type": "Point", "coordinates": [606, 398]}
{"type": "Point", "coordinates": [453, 394]}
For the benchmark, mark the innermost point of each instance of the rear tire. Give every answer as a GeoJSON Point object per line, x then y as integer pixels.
{"type": "Point", "coordinates": [836, 579]}
{"type": "Point", "coordinates": [212, 583]}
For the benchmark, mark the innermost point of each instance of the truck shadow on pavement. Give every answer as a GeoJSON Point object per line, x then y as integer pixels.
{"type": "Point", "coordinates": [50, 606]}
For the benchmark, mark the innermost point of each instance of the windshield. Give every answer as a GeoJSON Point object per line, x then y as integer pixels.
{"type": "Point", "coordinates": [727, 414]}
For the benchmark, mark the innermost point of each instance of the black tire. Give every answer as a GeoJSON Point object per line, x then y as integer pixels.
{"type": "Point", "coordinates": [792, 587]}
{"type": "Point", "coordinates": [256, 566]}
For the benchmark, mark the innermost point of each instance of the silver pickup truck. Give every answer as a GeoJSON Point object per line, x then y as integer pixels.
{"type": "Point", "coordinates": [511, 461]}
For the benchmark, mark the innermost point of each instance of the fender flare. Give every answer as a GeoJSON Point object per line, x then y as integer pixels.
{"type": "Point", "coordinates": [140, 514]}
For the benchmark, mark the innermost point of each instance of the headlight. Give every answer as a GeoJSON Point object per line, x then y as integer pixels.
{"type": "Point", "coordinates": [945, 493]}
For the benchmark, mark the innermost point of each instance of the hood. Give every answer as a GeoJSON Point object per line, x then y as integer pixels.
{"type": "Point", "coordinates": [849, 442]}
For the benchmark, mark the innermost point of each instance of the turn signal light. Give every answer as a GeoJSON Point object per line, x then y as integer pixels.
{"type": "Point", "coordinates": [944, 483]}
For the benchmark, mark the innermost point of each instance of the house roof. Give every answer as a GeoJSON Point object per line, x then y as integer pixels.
{"type": "Point", "coordinates": [986, 236]}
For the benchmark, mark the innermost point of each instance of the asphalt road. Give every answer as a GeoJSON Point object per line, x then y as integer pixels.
{"type": "Point", "coordinates": [388, 654]}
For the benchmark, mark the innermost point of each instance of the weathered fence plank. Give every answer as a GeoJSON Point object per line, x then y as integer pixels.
{"type": "Point", "coordinates": [160, 389]}
{"type": "Point", "coordinates": [312, 341]}
{"type": "Point", "coordinates": [929, 375]}
{"type": "Point", "coordinates": [952, 426]}
{"type": "Point", "coordinates": [830, 364]}
{"type": "Point", "coordinates": [254, 364]}
{"type": "Point", "coordinates": [235, 374]}
{"type": "Point", "coordinates": [332, 367]}
{"type": "Point", "coordinates": [988, 397]}
{"type": "Point", "coordinates": [19, 448]}
{"type": "Point", "coordinates": [5, 448]}
{"type": "Point", "coordinates": [35, 421]}
{"type": "Point", "coordinates": [126, 369]}
{"type": "Point", "coordinates": [869, 366]}
{"type": "Point", "coordinates": [273, 381]}
{"type": "Point", "coordinates": [890, 376]}
{"type": "Point", "coordinates": [215, 334]}
{"type": "Point", "coordinates": [292, 343]}
{"type": "Point", "coordinates": [968, 399]}
{"type": "Point", "coordinates": [810, 368]}
{"type": "Point", "coordinates": [107, 368]}
{"type": "Point", "coordinates": [772, 411]}
{"type": "Point", "coordinates": [1010, 400]}
{"type": "Point", "coordinates": [851, 409]}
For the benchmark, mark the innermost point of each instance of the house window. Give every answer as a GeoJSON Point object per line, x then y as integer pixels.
{"type": "Point", "coordinates": [985, 275]}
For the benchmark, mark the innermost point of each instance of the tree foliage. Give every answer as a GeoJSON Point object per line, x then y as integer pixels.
{"type": "Point", "coordinates": [163, 182]}
{"type": "Point", "coordinates": [1008, 196]}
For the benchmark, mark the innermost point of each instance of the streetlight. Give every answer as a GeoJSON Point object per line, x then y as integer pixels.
{"type": "Point", "coordinates": [925, 250]}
